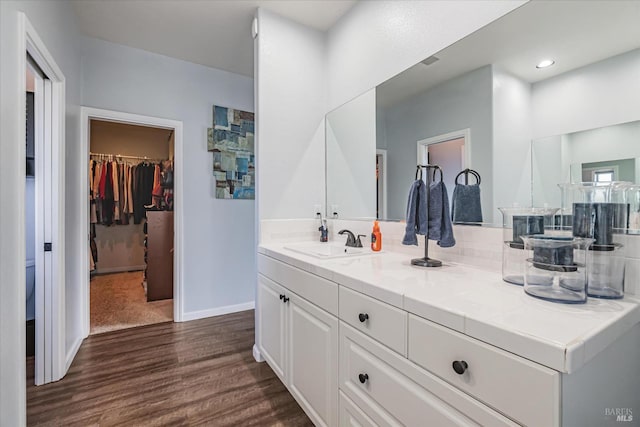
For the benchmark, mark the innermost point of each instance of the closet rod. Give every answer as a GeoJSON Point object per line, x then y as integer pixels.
{"type": "Point", "coordinates": [124, 157]}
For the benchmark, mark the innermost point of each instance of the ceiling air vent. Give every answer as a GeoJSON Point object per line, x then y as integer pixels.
{"type": "Point", "coordinates": [430, 60]}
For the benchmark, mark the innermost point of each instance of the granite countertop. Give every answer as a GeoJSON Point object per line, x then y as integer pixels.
{"type": "Point", "coordinates": [479, 304]}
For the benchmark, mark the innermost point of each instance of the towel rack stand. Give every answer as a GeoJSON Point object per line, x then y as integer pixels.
{"type": "Point", "coordinates": [466, 173]}
{"type": "Point", "coordinates": [426, 261]}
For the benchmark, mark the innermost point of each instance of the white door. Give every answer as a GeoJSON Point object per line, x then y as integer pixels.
{"type": "Point", "coordinates": [271, 324]}
{"type": "Point", "coordinates": [45, 354]}
{"type": "Point", "coordinates": [313, 359]}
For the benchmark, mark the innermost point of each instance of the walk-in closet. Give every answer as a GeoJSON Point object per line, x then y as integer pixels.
{"type": "Point", "coordinates": [131, 174]}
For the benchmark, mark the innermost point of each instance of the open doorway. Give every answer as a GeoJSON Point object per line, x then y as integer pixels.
{"type": "Point", "coordinates": [131, 170]}
{"type": "Point", "coordinates": [449, 151]}
{"type": "Point", "coordinates": [30, 217]}
{"type": "Point", "coordinates": [381, 183]}
{"type": "Point", "coordinates": [134, 244]}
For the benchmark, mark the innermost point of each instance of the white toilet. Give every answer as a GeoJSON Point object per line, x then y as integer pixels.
{"type": "Point", "coordinates": [30, 294]}
{"type": "Point", "coordinates": [30, 231]}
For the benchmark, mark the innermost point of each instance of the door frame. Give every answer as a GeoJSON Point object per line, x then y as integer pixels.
{"type": "Point", "coordinates": [89, 113]}
{"type": "Point", "coordinates": [50, 355]}
{"type": "Point", "coordinates": [463, 133]}
{"type": "Point", "coordinates": [383, 153]}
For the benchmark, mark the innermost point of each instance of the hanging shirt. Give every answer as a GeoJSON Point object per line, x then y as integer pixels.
{"type": "Point", "coordinates": [103, 180]}
{"type": "Point", "coordinates": [157, 181]}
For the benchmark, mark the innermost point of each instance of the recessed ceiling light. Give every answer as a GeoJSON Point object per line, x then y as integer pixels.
{"type": "Point", "coordinates": [546, 63]}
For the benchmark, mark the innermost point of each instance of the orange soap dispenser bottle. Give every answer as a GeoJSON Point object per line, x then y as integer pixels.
{"type": "Point", "coordinates": [376, 237]}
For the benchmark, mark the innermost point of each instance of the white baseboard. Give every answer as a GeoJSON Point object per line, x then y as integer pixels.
{"type": "Point", "coordinates": [257, 355]}
{"type": "Point", "coordinates": [72, 354]}
{"type": "Point", "coordinates": [120, 269]}
{"type": "Point", "coordinates": [218, 311]}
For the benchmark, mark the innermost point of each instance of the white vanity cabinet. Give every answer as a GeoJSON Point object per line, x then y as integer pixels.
{"type": "Point", "coordinates": [299, 340]}
{"type": "Point", "coordinates": [353, 360]}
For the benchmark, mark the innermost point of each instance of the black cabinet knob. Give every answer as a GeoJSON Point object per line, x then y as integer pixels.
{"type": "Point", "coordinates": [281, 297]}
{"type": "Point", "coordinates": [363, 378]}
{"type": "Point", "coordinates": [460, 366]}
{"type": "Point", "coordinates": [363, 317]}
{"type": "Point", "coordinates": [285, 299]}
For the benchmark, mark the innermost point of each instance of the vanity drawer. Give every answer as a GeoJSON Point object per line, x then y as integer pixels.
{"type": "Point", "coordinates": [377, 319]}
{"type": "Point", "coordinates": [392, 391]}
{"type": "Point", "coordinates": [525, 391]}
{"type": "Point", "coordinates": [351, 415]}
{"type": "Point", "coordinates": [315, 289]}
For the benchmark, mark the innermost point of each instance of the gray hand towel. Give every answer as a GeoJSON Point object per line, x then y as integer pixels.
{"type": "Point", "coordinates": [416, 213]}
{"type": "Point", "coordinates": [440, 227]}
{"type": "Point", "coordinates": [465, 206]}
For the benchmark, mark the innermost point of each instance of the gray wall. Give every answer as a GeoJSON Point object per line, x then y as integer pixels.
{"type": "Point", "coordinates": [219, 243]}
{"type": "Point", "coordinates": [626, 169]}
{"type": "Point", "coordinates": [460, 103]}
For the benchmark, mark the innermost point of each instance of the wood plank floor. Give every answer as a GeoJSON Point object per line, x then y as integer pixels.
{"type": "Point", "coordinates": [180, 374]}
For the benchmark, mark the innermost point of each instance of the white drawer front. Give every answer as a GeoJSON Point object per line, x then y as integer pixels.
{"type": "Point", "coordinates": [393, 391]}
{"type": "Point", "coordinates": [377, 319]}
{"type": "Point", "coordinates": [525, 391]}
{"type": "Point", "coordinates": [315, 289]}
{"type": "Point", "coordinates": [351, 415]}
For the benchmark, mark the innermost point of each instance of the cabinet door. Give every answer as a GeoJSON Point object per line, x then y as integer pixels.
{"type": "Point", "coordinates": [351, 415]}
{"type": "Point", "coordinates": [313, 359]}
{"type": "Point", "coordinates": [159, 255]}
{"type": "Point", "coordinates": [272, 313]}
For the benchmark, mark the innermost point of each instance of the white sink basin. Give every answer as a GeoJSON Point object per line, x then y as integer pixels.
{"type": "Point", "coordinates": [327, 250]}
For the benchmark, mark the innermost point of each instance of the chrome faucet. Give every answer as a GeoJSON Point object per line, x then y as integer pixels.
{"type": "Point", "coordinates": [352, 241]}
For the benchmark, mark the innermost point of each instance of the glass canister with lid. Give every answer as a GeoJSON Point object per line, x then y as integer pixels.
{"type": "Point", "coordinates": [557, 270]}
{"type": "Point", "coordinates": [518, 222]}
{"type": "Point", "coordinates": [599, 211]}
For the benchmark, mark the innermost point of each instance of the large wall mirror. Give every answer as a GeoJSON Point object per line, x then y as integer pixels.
{"type": "Point", "coordinates": [480, 103]}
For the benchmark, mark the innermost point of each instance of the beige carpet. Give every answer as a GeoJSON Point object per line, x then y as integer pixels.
{"type": "Point", "coordinates": [118, 302]}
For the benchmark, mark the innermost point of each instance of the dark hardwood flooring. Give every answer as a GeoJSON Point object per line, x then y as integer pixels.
{"type": "Point", "coordinates": [194, 373]}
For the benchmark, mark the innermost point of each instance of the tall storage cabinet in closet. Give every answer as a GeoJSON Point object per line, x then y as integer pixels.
{"type": "Point", "coordinates": [159, 255]}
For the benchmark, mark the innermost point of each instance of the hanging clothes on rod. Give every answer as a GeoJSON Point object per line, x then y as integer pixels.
{"type": "Point", "coordinates": [122, 187]}
{"type": "Point", "coordinates": [466, 206]}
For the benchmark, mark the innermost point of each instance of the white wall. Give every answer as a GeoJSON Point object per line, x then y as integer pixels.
{"type": "Point", "coordinates": [290, 64]}
{"type": "Point", "coordinates": [55, 23]}
{"type": "Point", "coordinates": [376, 40]}
{"type": "Point", "coordinates": [597, 95]}
{"type": "Point", "coordinates": [351, 166]}
{"type": "Point", "coordinates": [219, 243]}
{"type": "Point", "coordinates": [550, 167]}
{"type": "Point", "coordinates": [511, 143]}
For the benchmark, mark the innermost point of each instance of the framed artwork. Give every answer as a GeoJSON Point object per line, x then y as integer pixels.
{"type": "Point", "coordinates": [231, 140]}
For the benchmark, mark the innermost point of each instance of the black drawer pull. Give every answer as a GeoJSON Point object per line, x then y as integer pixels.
{"type": "Point", "coordinates": [285, 299]}
{"type": "Point", "coordinates": [363, 378]}
{"type": "Point", "coordinates": [460, 366]}
{"type": "Point", "coordinates": [363, 317]}
{"type": "Point", "coordinates": [281, 297]}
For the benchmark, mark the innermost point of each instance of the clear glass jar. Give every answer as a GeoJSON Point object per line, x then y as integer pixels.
{"type": "Point", "coordinates": [558, 269]}
{"type": "Point", "coordinates": [633, 199]}
{"type": "Point", "coordinates": [601, 211]}
{"type": "Point", "coordinates": [606, 271]}
{"type": "Point", "coordinates": [590, 208]}
{"type": "Point", "coordinates": [518, 222]}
